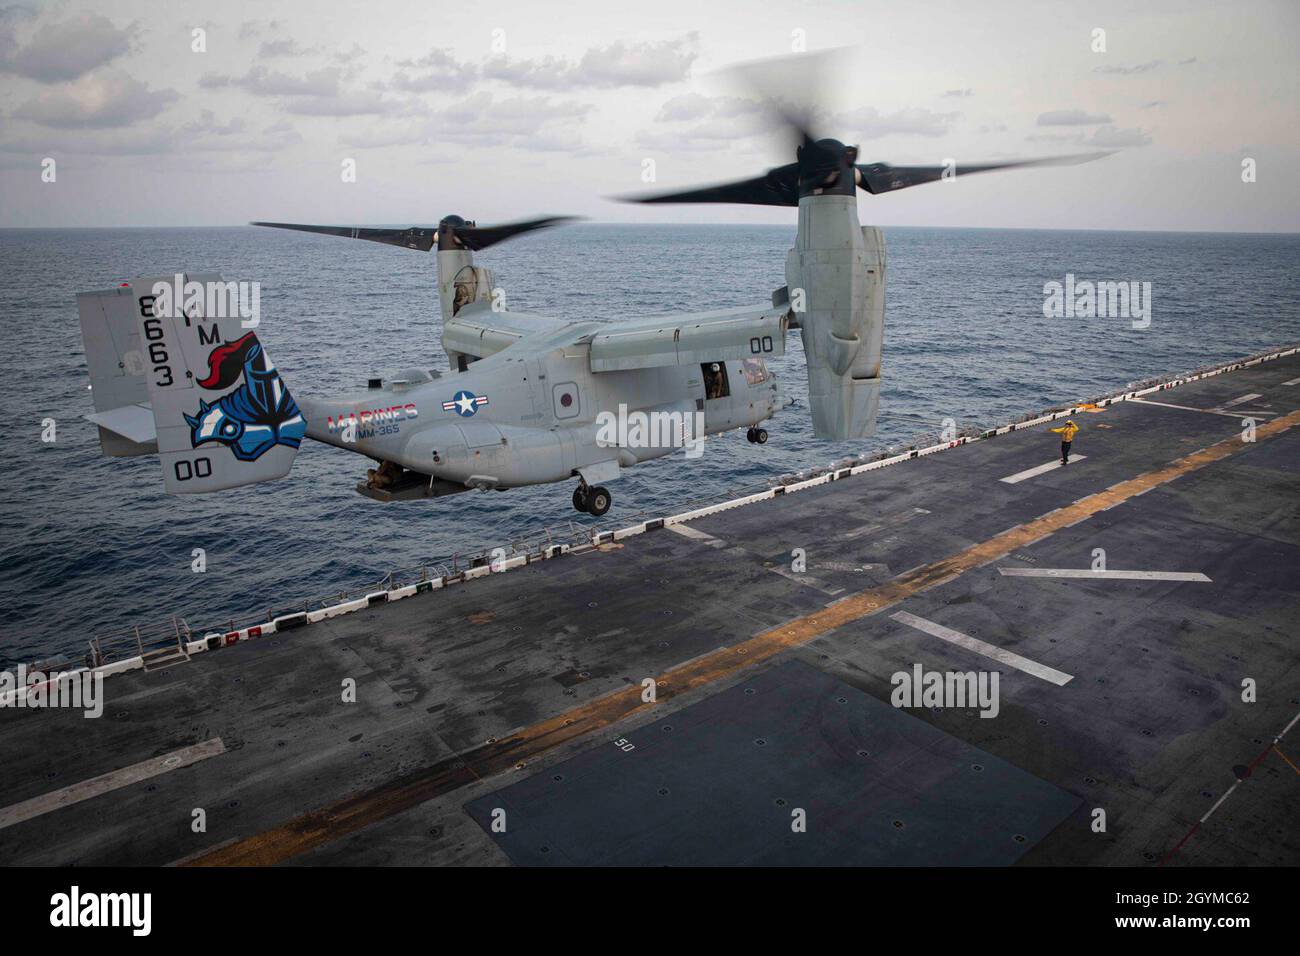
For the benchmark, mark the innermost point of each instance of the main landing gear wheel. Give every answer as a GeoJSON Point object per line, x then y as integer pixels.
{"type": "Point", "coordinates": [757, 436]}
{"type": "Point", "coordinates": [598, 501]}
{"type": "Point", "coordinates": [580, 498]}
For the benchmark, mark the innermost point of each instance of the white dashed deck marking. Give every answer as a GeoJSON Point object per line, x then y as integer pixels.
{"type": "Point", "coordinates": [1040, 470]}
{"type": "Point", "coordinates": [1104, 575]}
{"type": "Point", "coordinates": [887, 523]}
{"type": "Point", "coordinates": [1294, 381]}
{"type": "Point", "coordinates": [1242, 399]}
{"type": "Point", "coordinates": [108, 782]}
{"type": "Point", "coordinates": [1203, 411]}
{"type": "Point", "coordinates": [686, 531]}
{"type": "Point", "coordinates": [807, 580]}
{"type": "Point", "coordinates": [1009, 658]}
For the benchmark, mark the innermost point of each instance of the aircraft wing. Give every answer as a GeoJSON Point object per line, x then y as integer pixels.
{"type": "Point", "coordinates": [479, 331]}
{"type": "Point", "coordinates": [691, 338]}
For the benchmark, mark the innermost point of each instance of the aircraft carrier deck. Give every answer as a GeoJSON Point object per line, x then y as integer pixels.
{"type": "Point", "coordinates": [517, 698]}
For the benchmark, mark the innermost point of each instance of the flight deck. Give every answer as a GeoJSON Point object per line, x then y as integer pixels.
{"type": "Point", "coordinates": [718, 690]}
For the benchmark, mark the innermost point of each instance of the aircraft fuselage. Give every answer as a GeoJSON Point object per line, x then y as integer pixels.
{"type": "Point", "coordinates": [532, 417]}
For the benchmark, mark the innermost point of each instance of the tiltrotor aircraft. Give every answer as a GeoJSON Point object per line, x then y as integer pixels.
{"type": "Point", "coordinates": [527, 399]}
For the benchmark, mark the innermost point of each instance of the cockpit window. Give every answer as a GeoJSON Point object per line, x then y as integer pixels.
{"type": "Point", "coordinates": [755, 371]}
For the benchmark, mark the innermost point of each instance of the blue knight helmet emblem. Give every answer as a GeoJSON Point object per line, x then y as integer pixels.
{"type": "Point", "coordinates": [254, 418]}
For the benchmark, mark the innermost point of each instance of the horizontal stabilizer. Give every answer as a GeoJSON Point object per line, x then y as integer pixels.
{"type": "Point", "coordinates": [132, 422]}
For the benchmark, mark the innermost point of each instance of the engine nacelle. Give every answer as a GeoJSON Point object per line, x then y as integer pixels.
{"type": "Point", "coordinates": [837, 268]}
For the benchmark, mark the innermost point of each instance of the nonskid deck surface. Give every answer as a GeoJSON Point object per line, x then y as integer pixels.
{"type": "Point", "coordinates": [519, 697]}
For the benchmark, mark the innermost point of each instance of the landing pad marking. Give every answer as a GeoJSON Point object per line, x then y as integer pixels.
{"type": "Point", "coordinates": [1002, 656]}
{"type": "Point", "coordinates": [108, 782]}
{"type": "Point", "coordinates": [694, 534]}
{"type": "Point", "coordinates": [357, 811]}
{"type": "Point", "coordinates": [1104, 575]}
{"type": "Point", "coordinates": [1040, 470]}
{"type": "Point", "coordinates": [686, 531]}
{"type": "Point", "coordinates": [806, 579]}
{"type": "Point", "coordinates": [1242, 399]}
{"type": "Point", "coordinates": [1204, 411]}
{"type": "Point", "coordinates": [890, 523]}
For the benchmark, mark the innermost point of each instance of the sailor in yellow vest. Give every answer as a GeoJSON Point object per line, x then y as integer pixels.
{"type": "Point", "coordinates": [1067, 433]}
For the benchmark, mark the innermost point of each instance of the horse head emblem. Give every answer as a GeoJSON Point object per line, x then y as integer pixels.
{"type": "Point", "coordinates": [254, 418]}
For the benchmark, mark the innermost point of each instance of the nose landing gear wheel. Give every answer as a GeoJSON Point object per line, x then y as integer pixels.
{"type": "Point", "coordinates": [598, 501]}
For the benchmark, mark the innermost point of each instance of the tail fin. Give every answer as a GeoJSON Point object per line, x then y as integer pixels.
{"type": "Point", "coordinates": [110, 332]}
{"type": "Point", "coordinates": [174, 371]}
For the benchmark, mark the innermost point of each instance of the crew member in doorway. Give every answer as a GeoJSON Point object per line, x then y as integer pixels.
{"type": "Point", "coordinates": [1067, 433]}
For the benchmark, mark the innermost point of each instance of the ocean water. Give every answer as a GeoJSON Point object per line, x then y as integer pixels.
{"type": "Point", "coordinates": [90, 546]}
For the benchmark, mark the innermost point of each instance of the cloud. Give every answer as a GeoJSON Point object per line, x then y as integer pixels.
{"type": "Point", "coordinates": [102, 100]}
{"type": "Point", "coordinates": [61, 51]}
{"type": "Point", "coordinates": [688, 106]}
{"type": "Point", "coordinates": [439, 70]}
{"type": "Point", "coordinates": [1128, 70]}
{"type": "Point", "coordinates": [1071, 118]}
{"type": "Point", "coordinates": [1110, 136]}
{"type": "Point", "coordinates": [869, 123]}
{"type": "Point", "coordinates": [482, 120]}
{"type": "Point", "coordinates": [533, 123]}
{"type": "Point", "coordinates": [385, 135]}
{"type": "Point", "coordinates": [350, 103]}
{"type": "Point", "coordinates": [115, 142]}
{"type": "Point", "coordinates": [283, 47]}
{"type": "Point", "coordinates": [693, 106]}
{"type": "Point", "coordinates": [710, 119]}
{"type": "Point", "coordinates": [347, 56]}
{"type": "Point", "coordinates": [263, 82]}
{"type": "Point", "coordinates": [207, 134]}
{"type": "Point", "coordinates": [252, 29]}
{"type": "Point", "coordinates": [647, 64]}
{"type": "Point", "coordinates": [207, 124]}
{"type": "Point", "coordinates": [315, 93]}
{"type": "Point", "coordinates": [1054, 138]}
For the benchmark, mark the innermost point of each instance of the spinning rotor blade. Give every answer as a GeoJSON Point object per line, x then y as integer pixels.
{"type": "Point", "coordinates": [424, 238]}
{"type": "Point", "coordinates": [475, 238]}
{"type": "Point", "coordinates": [795, 91]}
{"type": "Point", "coordinates": [789, 91]}
{"type": "Point", "coordinates": [417, 237]}
{"type": "Point", "coordinates": [776, 187]}
{"type": "Point", "coordinates": [880, 178]}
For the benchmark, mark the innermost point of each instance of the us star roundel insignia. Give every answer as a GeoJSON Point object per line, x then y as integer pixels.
{"type": "Point", "coordinates": [465, 404]}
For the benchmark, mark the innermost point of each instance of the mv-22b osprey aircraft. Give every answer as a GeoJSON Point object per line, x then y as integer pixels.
{"type": "Point", "coordinates": [528, 399]}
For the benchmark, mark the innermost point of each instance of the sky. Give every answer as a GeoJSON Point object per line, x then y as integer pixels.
{"type": "Point", "coordinates": [205, 113]}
